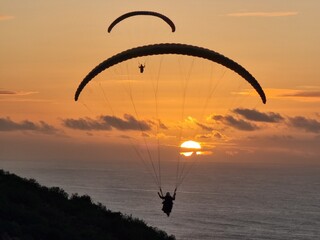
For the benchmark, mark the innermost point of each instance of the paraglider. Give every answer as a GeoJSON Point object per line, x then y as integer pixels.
{"type": "Point", "coordinates": [172, 48]}
{"type": "Point", "coordinates": [137, 13]}
{"type": "Point", "coordinates": [161, 49]}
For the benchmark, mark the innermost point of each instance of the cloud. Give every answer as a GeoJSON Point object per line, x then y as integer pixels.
{"type": "Point", "coordinates": [254, 115]}
{"type": "Point", "coordinates": [218, 135]}
{"type": "Point", "coordinates": [15, 93]}
{"type": "Point", "coordinates": [204, 127]}
{"type": "Point", "coordinates": [6, 17]}
{"type": "Point", "coordinates": [308, 94]}
{"type": "Point", "coordinates": [159, 123]}
{"type": "Point", "coordinates": [17, 96]}
{"type": "Point", "coordinates": [86, 124]}
{"type": "Point", "coordinates": [263, 14]}
{"type": "Point", "coordinates": [128, 122]}
{"type": "Point", "coordinates": [163, 126]}
{"type": "Point", "coordinates": [7, 125]}
{"type": "Point", "coordinates": [307, 124]}
{"type": "Point", "coordinates": [239, 124]}
{"type": "Point", "coordinates": [304, 94]}
{"type": "Point", "coordinates": [201, 125]}
{"type": "Point", "coordinates": [7, 92]}
{"type": "Point", "coordinates": [204, 136]}
{"type": "Point", "coordinates": [215, 135]}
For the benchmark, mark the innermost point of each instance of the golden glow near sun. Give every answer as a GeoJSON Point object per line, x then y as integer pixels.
{"type": "Point", "coordinates": [190, 147]}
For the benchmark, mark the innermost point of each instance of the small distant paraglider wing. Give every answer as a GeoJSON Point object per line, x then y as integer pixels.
{"type": "Point", "coordinates": [135, 13]}
{"type": "Point", "coordinates": [172, 48]}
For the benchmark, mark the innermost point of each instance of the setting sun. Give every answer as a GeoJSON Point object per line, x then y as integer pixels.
{"type": "Point", "coordinates": [190, 147]}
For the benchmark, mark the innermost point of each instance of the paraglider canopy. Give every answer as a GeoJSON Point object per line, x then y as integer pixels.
{"type": "Point", "coordinates": [172, 48]}
{"type": "Point", "coordinates": [137, 13]}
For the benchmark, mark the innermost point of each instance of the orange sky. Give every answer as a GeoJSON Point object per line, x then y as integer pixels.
{"type": "Point", "coordinates": [47, 48]}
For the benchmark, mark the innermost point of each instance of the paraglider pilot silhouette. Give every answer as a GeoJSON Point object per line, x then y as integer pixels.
{"type": "Point", "coordinates": [141, 66]}
{"type": "Point", "coordinates": [167, 201]}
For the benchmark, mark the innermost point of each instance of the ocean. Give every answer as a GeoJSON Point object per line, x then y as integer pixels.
{"type": "Point", "coordinates": [216, 200]}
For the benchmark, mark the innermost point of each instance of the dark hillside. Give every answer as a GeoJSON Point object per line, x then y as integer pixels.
{"type": "Point", "coordinates": [30, 211]}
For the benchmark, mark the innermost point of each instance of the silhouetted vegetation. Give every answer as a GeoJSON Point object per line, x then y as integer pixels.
{"type": "Point", "coordinates": [31, 211]}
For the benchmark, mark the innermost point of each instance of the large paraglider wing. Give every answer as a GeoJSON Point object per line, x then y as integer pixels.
{"type": "Point", "coordinates": [135, 13]}
{"type": "Point", "coordinates": [172, 48]}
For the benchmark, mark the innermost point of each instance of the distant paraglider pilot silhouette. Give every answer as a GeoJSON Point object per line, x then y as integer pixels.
{"type": "Point", "coordinates": [141, 66]}
{"type": "Point", "coordinates": [167, 201]}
